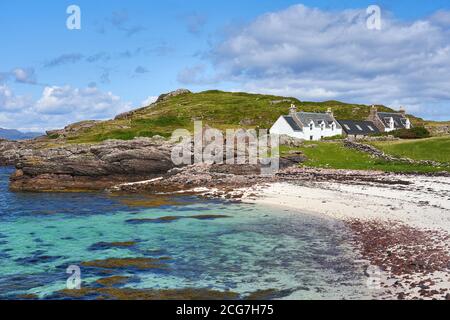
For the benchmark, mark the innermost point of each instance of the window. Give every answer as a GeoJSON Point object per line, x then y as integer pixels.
{"type": "Point", "coordinates": [311, 126]}
{"type": "Point", "coordinates": [311, 138]}
{"type": "Point", "coordinates": [370, 128]}
{"type": "Point", "coordinates": [333, 126]}
{"type": "Point", "coordinates": [322, 126]}
{"type": "Point", "coordinates": [359, 127]}
{"type": "Point", "coordinates": [347, 127]}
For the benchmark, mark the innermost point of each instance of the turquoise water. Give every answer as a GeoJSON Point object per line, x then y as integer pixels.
{"type": "Point", "coordinates": [254, 248]}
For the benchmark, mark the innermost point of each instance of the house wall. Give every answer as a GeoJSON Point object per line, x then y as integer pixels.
{"type": "Point", "coordinates": [282, 127]}
{"type": "Point", "coordinates": [318, 133]}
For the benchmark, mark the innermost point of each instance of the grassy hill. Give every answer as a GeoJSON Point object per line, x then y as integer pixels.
{"type": "Point", "coordinates": [217, 109]}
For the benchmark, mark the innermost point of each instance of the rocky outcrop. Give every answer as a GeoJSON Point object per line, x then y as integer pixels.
{"type": "Point", "coordinates": [90, 167]}
{"type": "Point", "coordinates": [439, 129]}
{"type": "Point", "coordinates": [72, 129]}
{"type": "Point", "coordinates": [9, 152]}
{"type": "Point", "coordinates": [175, 93]}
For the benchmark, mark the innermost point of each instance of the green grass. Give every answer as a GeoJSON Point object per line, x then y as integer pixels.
{"type": "Point", "coordinates": [221, 110]}
{"type": "Point", "coordinates": [437, 149]}
{"type": "Point", "coordinates": [334, 155]}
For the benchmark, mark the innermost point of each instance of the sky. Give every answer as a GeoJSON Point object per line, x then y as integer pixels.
{"type": "Point", "coordinates": [128, 52]}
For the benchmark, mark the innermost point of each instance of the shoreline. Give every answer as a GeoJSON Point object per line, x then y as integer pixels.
{"type": "Point", "coordinates": [402, 229]}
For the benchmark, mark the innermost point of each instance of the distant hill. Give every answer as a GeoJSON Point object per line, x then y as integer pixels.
{"type": "Point", "coordinates": [11, 134]}
{"type": "Point", "coordinates": [215, 108]}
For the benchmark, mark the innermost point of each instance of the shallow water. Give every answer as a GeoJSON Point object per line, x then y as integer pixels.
{"type": "Point", "coordinates": [252, 248]}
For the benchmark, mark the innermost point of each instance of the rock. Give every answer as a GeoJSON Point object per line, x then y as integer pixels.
{"type": "Point", "coordinates": [72, 129]}
{"type": "Point", "coordinates": [273, 102]}
{"type": "Point", "coordinates": [247, 122]}
{"type": "Point", "coordinates": [175, 93]}
{"type": "Point", "coordinates": [447, 296]}
{"type": "Point", "coordinates": [8, 152]}
{"type": "Point", "coordinates": [286, 140]}
{"type": "Point", "coordinates": [91, 167]}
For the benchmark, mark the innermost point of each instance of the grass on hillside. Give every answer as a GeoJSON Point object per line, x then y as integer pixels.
{"type": "Point", "coordinates": [437, 148]}
{"type": "Point", "coordinates": [334, 155]}
{"type": "Point", "coordinates": [221, 110]}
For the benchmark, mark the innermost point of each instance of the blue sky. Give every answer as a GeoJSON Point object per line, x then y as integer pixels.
{"type": "Point", "coordinates": [128, 52]}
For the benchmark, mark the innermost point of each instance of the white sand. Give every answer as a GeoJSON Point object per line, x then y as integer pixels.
{"type": "Point", "coordinates": [424, 204]}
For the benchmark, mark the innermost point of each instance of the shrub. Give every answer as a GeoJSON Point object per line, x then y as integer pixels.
{"type": "Point", "coordinates": [413, 133]}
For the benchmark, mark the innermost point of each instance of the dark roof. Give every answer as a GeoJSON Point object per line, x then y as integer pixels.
{"type": "Point", "coordinates": [352, 127]}
{"type": "Point", "coordinates": [292, 123]}
{"type": "Point", "coordinates": [317, 118]}
{"type": "Point", "coordinates": [399, 119]}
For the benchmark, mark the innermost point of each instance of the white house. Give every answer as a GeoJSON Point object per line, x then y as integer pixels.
{"type": "Point", "coordinates": [307, 125]}
{"type": "Point", "coordinates": [390, 121]}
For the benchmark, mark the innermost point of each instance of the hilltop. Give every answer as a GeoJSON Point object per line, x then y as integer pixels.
{"type": "Point", "coordinates": [215, 108]}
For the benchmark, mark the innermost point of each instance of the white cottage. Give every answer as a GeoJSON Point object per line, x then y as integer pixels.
{"type": "Point", "coordinates": [307, 125]}
{"type": "Point", "coordinates": [390, 121]}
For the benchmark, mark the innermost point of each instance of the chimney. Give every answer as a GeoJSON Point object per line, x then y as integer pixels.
{"type": "Point", "coordinates": [330, 112]}
{"type": "Point", "coordinates": [373, 112]}
{"type": "Point", "coordinates": [293, 110]}
{"type": "Point", "coordinates": [402, 111]}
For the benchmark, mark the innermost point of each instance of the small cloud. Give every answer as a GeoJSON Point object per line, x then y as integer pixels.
{"type": "Point", "coordinates": [4, 76]}
{"type": "Point", "coordinates": [141, 70]}
{"type": "Point", "coordinates": [149, 101]}
{"type": "Point", "coordinates": [24, 75]}
{"type": "Point", "coordinates": [196, 75]}
{"type": "Point", "coordinates": [195, 22]}
{"type": "Point", "coordinates": [129, 32]}
{"type": "Point", "coordinates": [101, 56]}
{"type": "Point", "coordinates": [69, 58]}
{"type": "Point", "coordinates": [105, 76]}
{"type": "Point", "coordinates": [162, 49]}
{"type": "Point", "coordinates": [120, 20]}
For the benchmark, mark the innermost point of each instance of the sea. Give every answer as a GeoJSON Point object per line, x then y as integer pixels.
{"type": "Point", "coordinates": [202, 244]}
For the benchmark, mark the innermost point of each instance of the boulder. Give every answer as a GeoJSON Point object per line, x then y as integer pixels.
{"type": "Point", "coordinates": [286, 140]}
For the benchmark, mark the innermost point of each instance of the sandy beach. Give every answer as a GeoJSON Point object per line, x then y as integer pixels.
{"type": "Point", "coordinates": [401, 227]}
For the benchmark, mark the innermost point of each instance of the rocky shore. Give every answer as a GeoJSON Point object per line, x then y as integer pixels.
{"type": "Point", "coordinates": [90, 167]}
{"type": "Point", "coordinates": [9, 152]}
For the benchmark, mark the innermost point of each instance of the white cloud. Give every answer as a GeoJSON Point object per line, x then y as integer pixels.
{"type": "Point", "coordinates": [24, 75]}
{"type": "Point", "coordinates": [58, 106]}
{"type": "Point", "coordinates": [9, 102]}
{"type": "Point", "coordinates": [148, 101]}
{"type": "Point", "coordinates": [320, 55]}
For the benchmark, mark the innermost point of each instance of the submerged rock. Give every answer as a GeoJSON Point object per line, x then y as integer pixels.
{"type": "Point", "coordinates": [129, 263]}
{"type": "Point", "coordinates": [109, 245]}
{"type": "Point", "coordinates": [146, 294]}
{"type": "Point", "coordinates": [169, 219]}
{"type": "Point", "coordinates": [113, 281]}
